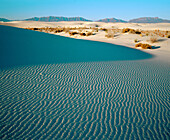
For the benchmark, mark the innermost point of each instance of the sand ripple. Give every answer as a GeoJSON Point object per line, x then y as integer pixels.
{"type": "Point", "coordinates": [100, 100]}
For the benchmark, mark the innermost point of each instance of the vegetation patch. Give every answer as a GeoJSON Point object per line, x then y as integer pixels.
{"type": "Point", "coordinates": [168, 36]}
{"type": "Point", "coordinates": [73, 33]}
{"type": "Point", "coordinates": [89, 33]}
{"type": "Point", "coordinates": [143, 46]}
{"type": "Point", "coordinates": [132, 31]}
{"type": "Point", "coordinates": [153, 39]}
{"type": "Point", "coordinates": [110, 33]}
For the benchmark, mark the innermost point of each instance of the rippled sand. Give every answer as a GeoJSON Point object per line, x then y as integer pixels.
{"type": "Point", "coordinates": [108, 98]}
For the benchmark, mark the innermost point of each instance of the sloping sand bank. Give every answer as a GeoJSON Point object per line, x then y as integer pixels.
{"type": "Point", "coordinates": [24, 47]}
{"type": "Point", "coordinates": [103, 96]}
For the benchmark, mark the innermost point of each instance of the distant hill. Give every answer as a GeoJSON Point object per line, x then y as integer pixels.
{"type": "Point", "coordinates": [107, 20]}
{"type": "Point", "coordinates": [111, 20]}
{"type": "Point", "coordinates": [56, 19]}
{"type": "Point", "coordinates": [4, 20]}
{"type": "Point", "coordinates": [149, 20]}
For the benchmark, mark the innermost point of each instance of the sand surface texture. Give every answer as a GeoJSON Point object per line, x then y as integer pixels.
{"type": "Point", "coordinates": [53, 87]}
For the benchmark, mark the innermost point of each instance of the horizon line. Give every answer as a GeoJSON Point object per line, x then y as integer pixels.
{"type": "Point", "coordinates": [85, 18]}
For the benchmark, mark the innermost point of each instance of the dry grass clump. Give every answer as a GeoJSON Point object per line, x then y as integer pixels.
{"type": "Point", "coordinates": [73, 33]}
{"type": "Point", "coordinates": [143, 46]}
{"type": "Point", "coordinates": [83, 34]}
{"type": "Point", "coordinates": [66, 30]}
{"type": "Point", "coordinates": [32, 29]}
{"type": "Point", "coordinates": [156, 33]}
{"type": "Point", "coordinates": [59, 30]}
{"type": "Point", "coordinates": [104, 29]}
{"type": "Point", "coordinates": [132, 31]}
{"type": "Point", "coordinates": [168, 36]}
{"type": "Point", "coordinates": [86, 34]}
{"type": "Point", "coordinates": [110, 33]}
{"type": "Point", "coordinates": [136, 40]}
{"type": "Point", "coordinates": [89, 33]}
{"type": "Point", "coordinates": [138, 32]}
{"type": "Point", "coordinates": [146, 46]}
{"type": "Point", "coordinates": [125, 30]}
{"type": "Point", "coordinates": [138, 45]}
{"type": "Point", "coordinates": [153, 39]}
{"type": "Point", "coordinates": [94, 29]}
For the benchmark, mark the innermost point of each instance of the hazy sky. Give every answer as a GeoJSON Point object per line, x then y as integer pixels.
{"type": "Point", "coordinates": [90, 9]}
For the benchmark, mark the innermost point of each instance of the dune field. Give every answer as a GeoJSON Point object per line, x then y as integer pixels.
{"type": "Point", "coordinates": [57, 86]}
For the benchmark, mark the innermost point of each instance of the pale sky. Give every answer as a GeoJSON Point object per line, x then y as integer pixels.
{"type": "Point", "coordinates": [89, 9]}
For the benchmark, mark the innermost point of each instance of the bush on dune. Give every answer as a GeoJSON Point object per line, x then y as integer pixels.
{"type": "Point", "coordinates": [110, 34]}
{"type": "Point", "coordinates": [66, 30]}
{"type": "Point", "coordinates": [89, 33]}
{"type": "Point", "coordinates": [138, 45]}
{"type": "Point", "coordinates": [132, 31]}
{"type": "Point", "coordinates": [83, 34]}
{"type": "Point", "coordinates": [35, 29]}
{"type": "Point", "coordinates": [125, 30]}
{"type": "Point", "coordinates": [168, 36]}
{"type": "Point", "coordinates": [58, 30]}
{"type": "Point", "coordinates": [143, 46]}
{"type": "Point", "coordinates": [153, 39]}
{"type": "Point", "coordinates": [73, 33]}
{"type": "Point", "coordinates": [136, 40]}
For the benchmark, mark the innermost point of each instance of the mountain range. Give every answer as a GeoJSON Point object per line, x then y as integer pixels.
{"type": "Point", "coordinates": [111, 20]}
{"type": "Point", "coordinates": [56, 19]}
{"type": "Point", "coordinates": [4, 20]}
{"type": "Point", "coordinates": [149, 20]}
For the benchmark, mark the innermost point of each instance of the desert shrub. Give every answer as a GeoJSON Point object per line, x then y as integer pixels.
{"type": "Point", "coordinates": [161, 35]}
{"type": "Point", "coordinates": [110, 34]}
{"type": "Point", "coordinates": [96, 25]}
{"type": "Point", "coordinates": [141, 35]}
{"type": "Point", "coordinates": [136, 40]}
{"type": "Point", "coordinates": [143, 46]}
{"type": "Point", "coordinates": [168, 36]}
{"type": "Point", "coordinates": [138, 32]}
{"type": "Point", "coordinates": [73, 33]}
{"type": "Point", "coordinates": [125, 30]}
{"type": "Point", "coordinates": [146, 46]}
{"type": "Point", "coordinates": [138, 45]}
{"type": "Point", "coordinates": [132, 31]}
{"type": "Point", "coordinates": [104, 29]}
{"type": "Point", "coordinates": [35, 29]}
{"type": "Point", "coordinates": [89, 33]}
{"type": "Point", "coordinates": [83, 34]}
{"type": "Point", "coordinates": [66, 30]}
{"type": "Point", "coordinates": [32, 29]}
{"type": "Point", "coordinates": [153, 39]}
{"type": "Point", "coordinates": [58, 30]}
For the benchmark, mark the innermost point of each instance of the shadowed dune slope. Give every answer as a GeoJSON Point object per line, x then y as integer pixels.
{"type": "Point", "coordinates": [25, 47]}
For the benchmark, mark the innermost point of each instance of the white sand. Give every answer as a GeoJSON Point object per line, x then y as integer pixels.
{"type": "Point", "coordinates": [121, 39]}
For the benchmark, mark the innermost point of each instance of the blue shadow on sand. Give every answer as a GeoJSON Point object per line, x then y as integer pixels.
{"type": "Point", "coordinates": [25, 47]}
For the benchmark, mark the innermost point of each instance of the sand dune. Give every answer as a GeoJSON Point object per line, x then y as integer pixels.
{"type": "Point", "coordinates": [163, 43]}
{"type": "Point", "coordinates": [126, 97]}
{"type": "Point", "coordinates": [41, 48]}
